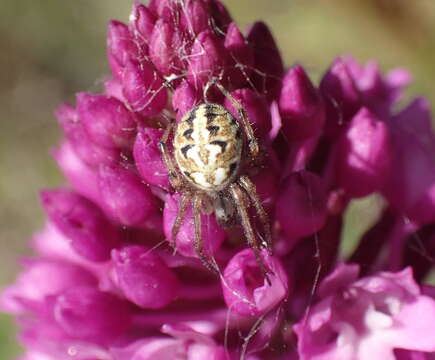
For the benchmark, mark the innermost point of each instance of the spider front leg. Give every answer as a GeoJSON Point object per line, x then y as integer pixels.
{"type": "Point", "coordinates": [252, 140]}
{"type": "Point", "coordinates": [208, 262]}
{"type": "Point", "coordinates": [243, 204]}
{"type": "Point", "coordinates": [250, 189]}
{"type": "Point", "coordinates": [174, 178]}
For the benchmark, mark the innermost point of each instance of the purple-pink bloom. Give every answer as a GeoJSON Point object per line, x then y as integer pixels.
{"type": "Point", "coordinates": [367, 318]}
{"type": "Point", "coordinates": [364, 155]}
{"type": "Point", "coordinates": [109, 281]}
{"type": "Point", "coordinates": [143, 277]}
{"type": "Point", "coordinates": [247, 291]}
{"type": "Point", "coordinates": [91, 234]}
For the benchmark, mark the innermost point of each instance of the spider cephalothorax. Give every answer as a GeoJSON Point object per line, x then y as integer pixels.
{"type": "Point", "coordinates": [209, 151]}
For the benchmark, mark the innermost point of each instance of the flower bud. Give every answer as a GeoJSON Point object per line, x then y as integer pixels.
{"type": "Point", "coordinates": [74, 131]}
{"type": "Point", "coordinates": [256, 109]}
{"type": "Point", "coordinates": [165, 9]}
{"type": "Point", "coordinates": [301, 206]}
{"type": "Point", "coordinates": [163, 54]}
{"type": "Point", "coordinates": [241, 59]}
{"type": "Point", "coordinates": [267, 61]}
{"type": "Point", "coordinates": [92, 235]}
{"type": "Point", "coordinates": [31, 287]}
{"type": "Point", "coordinates": [124, 197]}
{"type": "Point", "coordinates": [106, 120]}
{"type": "Point", "coordinates": [207, 59]}
{"type": "Point", "coordinates": [340, 93]}
{"type": "Point", "coordinates": [185, 342]}
{"type": "Point", "coordinates": [245, 289]}
{"type": "Point", "coordinates": [412, 177]}
{"type": "Point", "coordinates": [120, 47]}
{"type": "Point", "coordinates": [184, 98]}
{"type": "Point", "coordinates": [91, 315]}
{"type": "Point", "coordinates": [212, 235]}
{"type": "Point", "coordinates": [377, 92]}
{"type": "Point", "coordinates": [142, 22]}
{"type": "Point", "coordinates": [219, 14]}
{"type": "Point", "coordinates": [364, 155]}
{"type": "Point", "coordinates": [194, 17]}
{"type": "Point", "coordinates": [301, 106]}
{"type": "Point", "coordinates": [148, 158]}
{"type": "Point", "coordinates": [82, 178]}
{"type": "Point", "coordinates": [266, 184]}
{"type": "Point", "coordinates": [143, 88]}
{"type": "Point", "coordinates": [144, 278]}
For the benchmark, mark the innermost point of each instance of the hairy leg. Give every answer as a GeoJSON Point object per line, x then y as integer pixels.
{"type": "Point", "coordinates": [184, 203]}
{"type": "Point", "coordinates": [243, 204]}
{"type": "Point", "coordinates": [250, 189]}
{"type": "Point", "coordinates": [206, 260]}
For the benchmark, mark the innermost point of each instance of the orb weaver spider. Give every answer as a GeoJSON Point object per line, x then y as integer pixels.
{"type": "Point", "coordinates": [210, 151]}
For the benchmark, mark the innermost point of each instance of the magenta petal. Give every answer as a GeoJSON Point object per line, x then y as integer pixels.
{"type": "Point", "coordinates": [241, 59]}
{"type": "Point", "coordinates": [82, 178]}
{"type": "Point", "coordinates": [367, 317]}
{"type": "Point", "coordinates": [413, 170]}
{"type": "Point", "coordinates": [162, 53]}
{"type": "Point", "coordinates": [143, 88]}
{"type": "Point", "coordinates": [89, 152]}
{"type": "Point", "coordinates": [148, 157]}
{"type": "Point", "coordinates": [120, 47]}
{"type": "Point", "coordinates": [184, 99]}
{"type": "Point", "coordinates": [91, 315]}
{"type": "Point", "coordinates": [142, 21]}
{"type": "Point", "coordinates": [364, 155]}
{"type": "Point", "coordinates": [245, 289]}
{"type": "Point", "coordinates": [31, 286]}
{"type": "Point", "coordinates": [92, 235]}
{"type": "Point", "coordinates": [144, 278]}
{"type": "Point", "coordinates": [106, 120]}
{"type": "Point", "coordinates": [301, 106]}
{"type": "Point", "coordinates": [301, 204]}
{"type": "Point", "coordinates": [267, 60]}
{"type": "Point", "coordinates": [338, 86]}
{"type": "Point", "coordinates": [124, 197]}
{"type": "Point", "coordinates": [195, 17]}
{"type": "Point", "coordinates": [206, 60]}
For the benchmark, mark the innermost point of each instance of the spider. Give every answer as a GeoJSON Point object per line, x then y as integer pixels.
{"type": "Point", "coordinates": [210, 151]}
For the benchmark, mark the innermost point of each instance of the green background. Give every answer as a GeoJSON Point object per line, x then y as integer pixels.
{"type": "Point", "coordinates": [50, 49]}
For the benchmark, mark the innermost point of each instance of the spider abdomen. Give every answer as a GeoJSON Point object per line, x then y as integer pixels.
{"type": "Point", "coordinates": [208, 145]}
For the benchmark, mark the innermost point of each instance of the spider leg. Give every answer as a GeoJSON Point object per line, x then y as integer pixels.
{"type": "Point", "coordinates": [174, 178]}
{"type": "Point", "coordinates": [250, 189]}
{"type": "Point", "coordinates": [186, 197]}
{"type": "Point", "coordinates": [208, 262]}
{"type": "Point", "coordinates": [242, 207]}
{"type": "Point", "coordinates": [252, 140]}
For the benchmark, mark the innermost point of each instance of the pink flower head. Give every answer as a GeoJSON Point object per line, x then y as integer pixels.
{"type": "Point", "coordinates": [110, 279]}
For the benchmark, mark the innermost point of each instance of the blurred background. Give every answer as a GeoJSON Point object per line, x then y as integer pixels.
{"type": "Point", "coordinates": [51, 49]}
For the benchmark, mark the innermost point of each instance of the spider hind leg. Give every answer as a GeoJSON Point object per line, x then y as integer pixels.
{"type": "Point", "coordinates": [208, 261]}
{"type": "Point", "coordinates": [243, 204]}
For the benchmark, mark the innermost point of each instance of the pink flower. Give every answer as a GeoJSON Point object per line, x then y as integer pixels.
{"type": "Point", "coordinates": [367, 318]}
